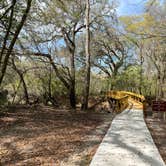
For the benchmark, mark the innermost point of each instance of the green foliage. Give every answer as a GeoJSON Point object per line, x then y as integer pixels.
{"type": "Point", "coordinates": [114, 44]}
{"type": "Point", "coordinates": [129, 80]}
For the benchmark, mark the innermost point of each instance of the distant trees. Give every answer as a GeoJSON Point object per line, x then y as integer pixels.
{"type": "Point", "coordinates": [129, 80]}
{"type": "Point", "coordinates": [110, 51]}
{"type": "Point", "coordinates": [156, 51]}
{"type": "Point", "coordinates": [147, 32]}
{"type": "Point", "coordinates": [66, 30]}
{"type": "Point", "coordinates": [63, 20]}
{"type": "Point", "coordinates": [156, 47]}
{"type": "Point", "coordinates": [58, 47]}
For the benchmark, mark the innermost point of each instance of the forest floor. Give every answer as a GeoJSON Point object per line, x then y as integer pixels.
{"type": "Point", "coordinates": [157, 127]}
{"type": "Point", "coordinates": [49, 136]}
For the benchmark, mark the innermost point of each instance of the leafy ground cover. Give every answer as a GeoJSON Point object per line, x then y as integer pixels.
{"type": "Point", "coordinates": [49, 136]}
{"type": "Point", "coordinates": [157, 127]}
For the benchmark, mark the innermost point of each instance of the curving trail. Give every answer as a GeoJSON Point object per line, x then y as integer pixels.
{"type": "Point", "coordinates": [128, 142]}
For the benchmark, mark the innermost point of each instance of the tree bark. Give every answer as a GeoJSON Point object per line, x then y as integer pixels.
{"type": "Point", "coordinates": [8, 30]}
{"type": "Point", "coordinates": [72, 97]}
{"type": "Point", "coordinates": [87, 51]}
{"type": "Point", "coordinates": [19, 27]}
{"type": "Point", "coordinates": [160, 86]}
{"type": "Point", "coordinates": [15, 92]}
{"type": "Point", "coordinates": [72, 84]}
{"type": "Point", "coordinates": [141, 70]}
{"type": "Point", "coordinates": [70, 43]}
{"type": "Point", "coordinates": [23, 82]}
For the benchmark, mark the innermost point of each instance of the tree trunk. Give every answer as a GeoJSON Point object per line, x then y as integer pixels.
{"type": "Point", "coordinates": [72, 97]}
{"type": "Point", "coordinates": [49, 82]}
{"type": "Point", "coordinates": [69, 38]}
{"type": "Point", "coordinates": [141, 70]}
{"type": "Point", "coordinates": [72, 84]}
{"type": "Point", "coordinates": [160, 85]}
{"type": "Point", "coordinates": [15, 92]}
{"type": "Point", "coordinates": [22, 80]}
{"type": "Point", "coordinates": [87, 51]}
{"type": "Point", "coordinates": [19, 27]}
{"type": "Point", "coordinates": [69, 86]}
{"type": "Point", "coordinates": [8, 31]}
{"type": "Point", "coordinates": [163, 81]}
{"type": "Point", "coordinates": [25, 89]}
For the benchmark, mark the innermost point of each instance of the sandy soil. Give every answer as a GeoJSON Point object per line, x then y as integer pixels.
{"type": "Point", "coordinates": [48, 136]}
{"type": "Point", "coordinates": [157, 127]}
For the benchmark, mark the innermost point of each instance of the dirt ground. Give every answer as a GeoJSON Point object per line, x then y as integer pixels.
{"type": "Point", "coordinates": [48, 136]}
{"type": "Point", "coordinates": [157, 127]}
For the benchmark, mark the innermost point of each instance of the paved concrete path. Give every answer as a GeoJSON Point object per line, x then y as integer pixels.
{"type": "Point", "coordinates": [128, 143]}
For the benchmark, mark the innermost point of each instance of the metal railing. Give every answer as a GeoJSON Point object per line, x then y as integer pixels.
{"type": "Point", "coordinates": [119, 100]}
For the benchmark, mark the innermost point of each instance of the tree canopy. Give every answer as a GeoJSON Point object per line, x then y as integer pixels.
{"type": "Point", "coordinates": [62, 48]}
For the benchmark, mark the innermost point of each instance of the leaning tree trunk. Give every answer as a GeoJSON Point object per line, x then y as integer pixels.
{"type": "Point", "coordinates": [15, 92]}
{"type": "Point", "coordinates": [87, 51]}
{"type": "Point", "coordinates": [21, 80]}
{"type": "Point", "coordinates": [17, 32]}
{"type": "Point", "coordinates": [25, 89]}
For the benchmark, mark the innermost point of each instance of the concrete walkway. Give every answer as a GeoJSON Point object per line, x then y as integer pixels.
{"type": "Point", "coordinates": [128, 143]}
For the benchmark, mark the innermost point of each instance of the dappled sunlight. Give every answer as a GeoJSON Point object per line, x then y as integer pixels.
{"type": "Point", "coordinates": [69, 67]}
{"type": "Point", "coordinates": [157, 127]}
{"type": "Point", "coordinates": [136, 105]}
{"type": "Point", "coordinates": [120, 100]}
{"type": "Point", "coordinates": [128, 142]}
{"type": "Point", "coordinates": [42, 136]}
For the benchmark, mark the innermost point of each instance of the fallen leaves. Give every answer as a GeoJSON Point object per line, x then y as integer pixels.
{"type": "Point", "coordinates": [48, 136]}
